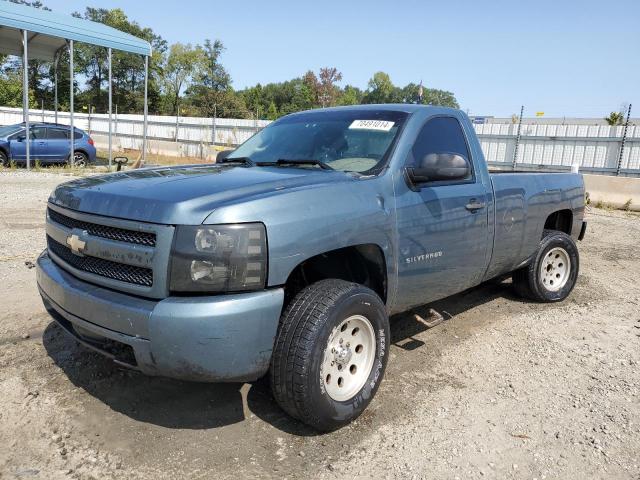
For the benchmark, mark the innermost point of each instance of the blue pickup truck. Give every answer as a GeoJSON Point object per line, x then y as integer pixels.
{"type": "Point", "coordinates": [287, 257]}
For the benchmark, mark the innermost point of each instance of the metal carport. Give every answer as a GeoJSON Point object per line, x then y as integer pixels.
{"type": "Point", "coordinates": [39, 34]}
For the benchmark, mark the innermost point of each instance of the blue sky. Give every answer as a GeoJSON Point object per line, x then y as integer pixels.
{"type": "Point", "coordinates": [565, 58]}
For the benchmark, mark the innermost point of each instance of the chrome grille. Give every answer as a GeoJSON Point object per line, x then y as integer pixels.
{"type": "Point", "coordinates": [104, 268]}
{"type": "Point", "coordinates": [112, 233]}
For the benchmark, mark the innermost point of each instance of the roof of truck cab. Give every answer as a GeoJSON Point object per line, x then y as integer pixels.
{"type": "Point", "coordinates": [394, 107]}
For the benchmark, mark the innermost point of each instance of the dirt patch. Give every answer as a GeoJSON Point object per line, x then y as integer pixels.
{"type": "Point", "coordinates": [502, 389]}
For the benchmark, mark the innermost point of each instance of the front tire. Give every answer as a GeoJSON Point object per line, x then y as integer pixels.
{"type": "Point", "coordinates": [330, 353]}
{"type": "Point", "coordinates": [4, 160]}
{"type": "Point", "coordinates": [552, 274]}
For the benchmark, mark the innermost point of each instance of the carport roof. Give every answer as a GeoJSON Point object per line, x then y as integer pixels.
{"type": "Point", "coordinates": [48, 32]}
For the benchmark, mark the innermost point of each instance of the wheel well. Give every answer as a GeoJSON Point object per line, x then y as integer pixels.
{"type": "Point", "coordinates": [4, 150]}
{"type": "Point", "coordinates": [364, 264]}
{"type": "Point", "coordinates": [561, 220]}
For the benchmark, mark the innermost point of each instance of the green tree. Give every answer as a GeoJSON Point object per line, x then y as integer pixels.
{"type": "Point", "coordinates": [11, 90]}
{"type": "Point", "coordinates": [34, 4]}
{"type": "Point", "coordinates": [380, 89]}
{"type": "Point", "coordinates": [128, 69]}
{"type": "Point", "coordinates": [430, 96]}
{"type": "Point", "coordinates": [184, 64]}
{"type": "Point", "coordinates": [272, 111]}
{"type": "Point", "coordinates": [350, 96]}
{"type": "Point", "coordinates": [211, 94]}
{"type": "Point", "coordinates": [213, 74]}
{"type": "Point", "coordinates": [615, 118]}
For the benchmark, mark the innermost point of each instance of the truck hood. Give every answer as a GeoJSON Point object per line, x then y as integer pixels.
{"type": "Point", "coordinates": [183, 195]}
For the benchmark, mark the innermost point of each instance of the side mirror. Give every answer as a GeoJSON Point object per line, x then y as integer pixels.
{"type": "Point", "coordinates": [21, 138]}
{"type": "Point", "coordinates": [439, 167]}
{"type": "Point", "coordinates": [222, 156]}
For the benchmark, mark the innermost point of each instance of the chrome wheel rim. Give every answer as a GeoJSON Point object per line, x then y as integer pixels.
{"type": "Point", "coordinates": [348, 358]}
{"type": "Point", "coordinates": [555, 269]}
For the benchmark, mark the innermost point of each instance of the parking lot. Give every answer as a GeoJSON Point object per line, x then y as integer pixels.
{"type": "Point", "coordinates": [502, 389]}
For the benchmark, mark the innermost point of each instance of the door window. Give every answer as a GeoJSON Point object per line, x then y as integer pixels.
{"type": "Point", "coordinates": [58, 134]}
{"type": "Point", "coordinates": [441, 135]}
{"type": "Point", "coordinates": [38, 133]}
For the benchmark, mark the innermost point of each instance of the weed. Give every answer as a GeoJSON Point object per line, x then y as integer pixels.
{"type": "Point", "coordinates": [627, 205]}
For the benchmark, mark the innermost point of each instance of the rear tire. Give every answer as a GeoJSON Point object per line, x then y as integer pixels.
{"type": "Point", "coordinates": [80, 159]}
{"type": "Point", "coordinates": [330, 353]}
{"type": "Point", "coordinates": [552, 274]}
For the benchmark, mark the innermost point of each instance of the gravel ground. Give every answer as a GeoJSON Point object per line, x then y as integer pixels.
{"type": "Point", "coordinates": [502, 389]}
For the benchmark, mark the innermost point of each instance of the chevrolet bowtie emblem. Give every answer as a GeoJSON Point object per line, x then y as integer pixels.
{"type": "Point", "coordinates": [76, 244]}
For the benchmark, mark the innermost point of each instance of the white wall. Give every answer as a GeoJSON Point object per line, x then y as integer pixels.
{"type": "Point", "coordinates": [595, 147]}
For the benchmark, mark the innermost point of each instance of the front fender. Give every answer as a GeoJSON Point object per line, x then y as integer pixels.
{"type": "Point", "coordinates": [306, 222]}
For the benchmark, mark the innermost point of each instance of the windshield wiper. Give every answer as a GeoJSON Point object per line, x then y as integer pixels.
{"type": "Point", "coordinates": [243, 160]}
{"type": "Point", "coordinates": [295, 161]}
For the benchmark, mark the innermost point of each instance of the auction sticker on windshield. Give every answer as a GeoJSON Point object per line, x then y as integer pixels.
{"type": "Point", "coordinates": [380, 125]}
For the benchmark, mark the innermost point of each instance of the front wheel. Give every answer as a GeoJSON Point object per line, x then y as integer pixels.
{"type": "Point", "coordinates": [330, 353]}
{"type": "Point", "coordinates": [552, 274]}
{"type": "Point", "coordinates": [4, 160]}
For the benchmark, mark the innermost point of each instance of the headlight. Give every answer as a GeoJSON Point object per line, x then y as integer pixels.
{"type": "Point", "coordinates": [219, 258]}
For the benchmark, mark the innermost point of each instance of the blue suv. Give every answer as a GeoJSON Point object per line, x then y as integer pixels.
{"type": "Point", "coordinates": [49, 143]}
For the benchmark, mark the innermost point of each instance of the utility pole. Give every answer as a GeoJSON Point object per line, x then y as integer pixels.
{"type": "Point", "coordinates": [624, 138]}
{"type": "Point", "coordinates": [515, 151]}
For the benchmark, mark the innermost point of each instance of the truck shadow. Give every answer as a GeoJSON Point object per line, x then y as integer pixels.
{"type": "Point", "coordinates": [160, 401]}
{"type": "Point", "coordinates": [405, 327]}
{"type": "Point", "coordinates": [189, 405]}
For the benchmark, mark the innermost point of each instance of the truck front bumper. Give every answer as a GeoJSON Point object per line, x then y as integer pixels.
{"type": "Point", "coordinates": [223, 338]}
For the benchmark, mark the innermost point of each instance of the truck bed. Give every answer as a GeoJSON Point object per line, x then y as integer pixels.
{"type": "Point", "coordinates": [523, 201]}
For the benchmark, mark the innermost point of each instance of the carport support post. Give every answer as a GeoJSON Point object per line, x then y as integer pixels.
{"type": "Point", "coordinates": [72, 159]}
{"type": "Point", "coordinates": [110, 102]}
{"type": "Point", "coordinates": [25, 94]}
{"type": "Point", "coordinates": [146, 109]}
{"type": "Point", "coordinates": [55, 86]}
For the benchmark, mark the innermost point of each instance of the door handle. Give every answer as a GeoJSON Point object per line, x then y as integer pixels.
{"type": "Point", "coordinates": [474, 205]}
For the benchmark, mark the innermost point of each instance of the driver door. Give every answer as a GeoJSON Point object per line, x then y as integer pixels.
{"type": "Point", "coordinates": [442, 226]}
{"type": "Point", "coordinates": [37, 144]}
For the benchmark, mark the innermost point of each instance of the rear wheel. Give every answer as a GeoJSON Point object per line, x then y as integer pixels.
{"type": "Point", "coordinates": [330, 353]}
{"type": "Point", "coordinates": [80, 159]}
{"type": "Point", "coordinates": [552, 274]}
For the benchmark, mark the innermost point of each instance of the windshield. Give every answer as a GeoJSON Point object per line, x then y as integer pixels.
{"type": "Point", "coordinates": [348, 140]}
{"type": "Point", "coordinates": [9, 129]}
